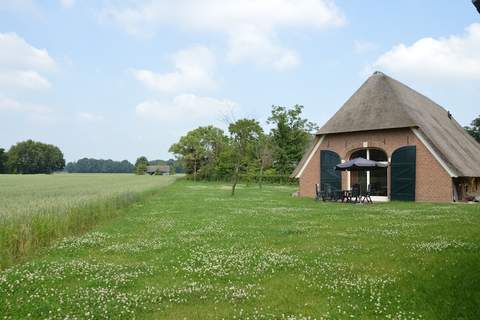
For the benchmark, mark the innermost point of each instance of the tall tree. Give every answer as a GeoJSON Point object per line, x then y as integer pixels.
{"type": "Point", "coordinates": [245, 135]}
{"type": "Point", "coordinates": [31, 157]}
{"type": "Point", "coordinates": [200, 149]}
{"type": "Point", "coordinates": [290, 135]}
{"type": "Point", "coordinates": [141, 165]}
{"type": "Point", "coordinates": [3, 161]}
{"type": "Point", "coordinates": [474, 129]}
{"type": "Point", "coordinates": [264, 156]}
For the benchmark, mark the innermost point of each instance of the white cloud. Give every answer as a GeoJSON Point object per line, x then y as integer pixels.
{"type": "Point", "coordinates": [89, 117]}
{"type": "Point", "coordinates": [21, 64]}
{"type": "Point", "coordinates": [18, 79]}
{"type": "Point", "coordinates": [194, 69]}
{"type": "Point", "coordinates": [251, 26]}
{"type": "Point", "coordinates": [16, 53]}
{"type": "Point", "coordinates": [67, 4]}
{"type": "Point", "coordinates": [11, 105]}
{"type": "Point", "coordinates": [20, 6]}
{"type": "Point", "coordinates": [452, 58]}
{"type": "Point", "coordinates": [186, 108]}
{"type": "Point", "coordinates": [259, 48]}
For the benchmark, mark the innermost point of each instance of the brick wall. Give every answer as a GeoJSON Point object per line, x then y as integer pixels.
{"type": "Point", "coordinates": [433, 182]}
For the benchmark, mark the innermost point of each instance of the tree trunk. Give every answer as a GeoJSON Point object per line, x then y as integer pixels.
{"type": "Point", "coordinates": [195, 170]}
{"type": "Point", "coordinates": [260, 180]}
{"type": "Point", "coordinates": [235, 178]}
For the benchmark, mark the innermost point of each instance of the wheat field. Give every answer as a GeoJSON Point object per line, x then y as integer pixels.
{"type": "Point", "coordinates": [36, 209]}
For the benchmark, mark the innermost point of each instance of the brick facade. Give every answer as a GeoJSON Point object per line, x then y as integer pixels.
{"type": "Point", "coordinates": [433, 183]}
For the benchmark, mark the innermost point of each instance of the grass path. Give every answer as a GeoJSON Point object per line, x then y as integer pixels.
{"type": "Point", "coordinates": [194, 252]}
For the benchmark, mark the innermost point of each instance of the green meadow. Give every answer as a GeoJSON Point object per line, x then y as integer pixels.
{"type": "Point", "coordinates": [191, 251]}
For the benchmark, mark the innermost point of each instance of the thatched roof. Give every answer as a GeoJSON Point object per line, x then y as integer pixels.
{"type": "Point", "coordinates": [385, 103]}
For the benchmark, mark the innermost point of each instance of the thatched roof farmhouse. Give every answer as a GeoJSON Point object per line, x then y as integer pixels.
{"type": "Point", "coordinates": [431, 157]}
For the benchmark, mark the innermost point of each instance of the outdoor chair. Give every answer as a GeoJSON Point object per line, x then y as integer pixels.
{"type": "Point", "coordinates": [336, 195]}
{"type": "Point", "coordinates": [318, 192]}
{"type": "Point", "coordinates": [367, 195]}
{"type": "Point", "coordinates": [327, 192]}
{"type": "Point", "coordinates": [346, 196]}
{"type": "Point", "coordinates": [355, 197]}
{"type": "Point", "coordinates": [321, 194]}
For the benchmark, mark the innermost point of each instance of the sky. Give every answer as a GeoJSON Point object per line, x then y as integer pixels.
{"type": "Point", "coordinates": [120, 79]}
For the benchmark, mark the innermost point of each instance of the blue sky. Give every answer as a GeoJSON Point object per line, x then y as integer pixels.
{"type": "Point", "coordinates": [120, 79]}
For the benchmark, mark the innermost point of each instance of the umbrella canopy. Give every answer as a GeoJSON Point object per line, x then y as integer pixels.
{"type": "Point", "coordinates": [476, 3]}
{"type": "Point", "coordinates": [360, 164]}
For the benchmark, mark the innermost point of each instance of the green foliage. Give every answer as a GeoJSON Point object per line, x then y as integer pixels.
{"type": "Point", "coordinates": [99, 166]}
{"type": "Point", "coordinates": [290, 136]}
{"type": "Point", "coordinates": [141, 165]}
{"type": "Point", "coordinates": [245, 137]}
{"type": "Point", "coordinates": [200, 149]}
{"type": "Point", "coordinates": [31, 157]}
{"type": "Point", "coordinates": [194, 252]}
{"type": "Point", "coordinates": [3, 161]}
{"type": "Point", "coordinates": [209, 154]}
{"type": "Point", "coordinates": [474, 129]}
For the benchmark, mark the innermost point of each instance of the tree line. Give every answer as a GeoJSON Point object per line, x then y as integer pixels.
{"type": "Point", "coordinates": [86, 165]}
{"type": "Point", "coordinates": [246, 151]}
{"type": "Point", "coordinates": [31, 157]}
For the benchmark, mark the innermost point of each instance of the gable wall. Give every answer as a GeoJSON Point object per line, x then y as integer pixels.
{"type": "Point", "coordinates": [433, 182]}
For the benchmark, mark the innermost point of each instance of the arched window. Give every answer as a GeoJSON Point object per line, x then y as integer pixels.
{"type": "Point", "coordinates": [377, 178]}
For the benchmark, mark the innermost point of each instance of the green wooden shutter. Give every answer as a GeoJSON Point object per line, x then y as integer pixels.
{"type": "Point", "coordinates": [328, 174]}
{"type": "Point", "coordinates": [403, 173]}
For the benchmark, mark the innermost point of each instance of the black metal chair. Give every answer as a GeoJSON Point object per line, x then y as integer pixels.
{"type": "Point", "coordinates": [324, 193]}
{"type": "Point", "coordinates": [367, 195]}
{"type": "Point", "coordinates": [346, 196]}
{"type": "Point", "coordinates": [321, 194]}
{"type": "Point", "coordinates": [356, 195]}
{"type": "Point", "coordinates": [318, 192]}
{"type": "Point", "coordinates": [327, 192]}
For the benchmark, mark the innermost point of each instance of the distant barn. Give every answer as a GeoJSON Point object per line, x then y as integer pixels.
{"type": "Point", "coordinates": [161, 170]}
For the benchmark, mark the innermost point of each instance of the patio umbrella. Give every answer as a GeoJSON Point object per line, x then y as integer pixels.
{"type": "Point", "coordinates": [360, 164]}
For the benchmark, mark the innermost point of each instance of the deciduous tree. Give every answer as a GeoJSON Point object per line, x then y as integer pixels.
{"type": "Point", "coordinates": [31, 157]}
{"type": "Point", "coordinates": [200, 150]}
{"type": "Point", "coordinates": [3, 161]}
{"type": "Point", "coordinates": [474, 129]}
{"type": "Point", "coordinates": [141, 165]}
{"type": "Point", "coordinates": [290, 135]}
{"type": "Point", "coordinates": [245, 135]}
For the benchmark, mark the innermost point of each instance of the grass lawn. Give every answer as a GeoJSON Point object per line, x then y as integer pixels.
{"type": "Point", "coordinates": [192, 251]}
